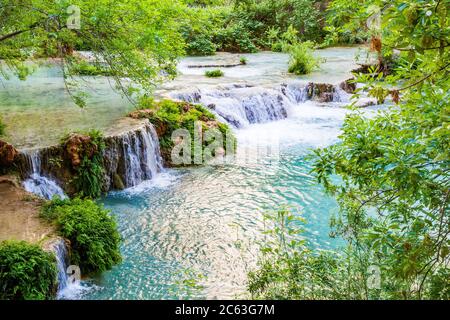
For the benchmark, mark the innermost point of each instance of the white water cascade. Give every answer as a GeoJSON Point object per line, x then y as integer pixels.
{"type": "Point", "coordinates": [142, 157]}
{"type": "Point", "coordinates": [60, 250]}
{"type": "Point", "coordinates": [37, 183]}
{"type": "Point", "coordinates": [241, 105]}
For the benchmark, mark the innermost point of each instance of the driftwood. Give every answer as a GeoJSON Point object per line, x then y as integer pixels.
{"type": "Point", "coordinates": [215, 65]}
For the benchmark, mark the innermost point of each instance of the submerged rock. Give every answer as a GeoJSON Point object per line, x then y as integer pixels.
{"type": "Point", "coordinates": [321, 92]}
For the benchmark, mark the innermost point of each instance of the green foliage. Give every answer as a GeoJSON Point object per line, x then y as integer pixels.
{"type": "Point", "coordinates": [347, 22]}
{"type": "Point", "coordinates": [394, 186]}
{"type": "Point", "coordinates": [243, 60]}
{"type": "Point", "coordinates": [248, 25]}
{"type": "Point", "coordinates": [92, 233]}
{"type": "Point", "coordinates": [302, 60]}
{"type": "Point", "coordinates": [389, 172]}
{"type": "Point", "coordinates": [214, 73]}
{"type": "Point", "coordinates": [84, 68]}
{"type": "Point", "coordinates": [235, 38]}
{"type": "Point", "coordinates": [289, 269]}
{"type": "Point", "coordinates": [168, 116]}
{"type": "Point", "coordinates": [261, 17]}
{"type": "Point", "coordinates": [2, 127]}
{"type": "Point", "coordinates": [142, 45]}
{"type": "Point", "coordinates": [88, 179]}
{"type": "Point", "coordinates": [199, 28]}
{"type": "Point", "coordinates": [26, 272]}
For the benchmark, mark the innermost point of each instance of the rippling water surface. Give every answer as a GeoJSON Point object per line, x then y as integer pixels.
{"type": "Point", "coordinates": [208, 221]}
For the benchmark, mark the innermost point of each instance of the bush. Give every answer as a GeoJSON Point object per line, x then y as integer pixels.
{"type": "Point", "coordinates": [235, 38]}
{"type": "Point", "coordinates": [92, 233]}
{"type": "Point", "coordinates": [201, 45]}
{"type": "Point", "coordinates": [243, 60]}
{"type": "Point", "coordinates": [200, 28]}
{"type": "Point", "coordinates": [214, 73]}
{"type": "Point", "coordinates": [277, 47]}
{"type": "Point", "coordinates": [302, 60]}
{"type": "Point", "coordinates": [26, 272]}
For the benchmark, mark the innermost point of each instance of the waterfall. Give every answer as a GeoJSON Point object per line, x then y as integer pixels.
{"type": "Point", "coordinates": [37, 183]}
{"type": "Point", "coordinates": [60, 249]}
{"type": "Point", "coordinates": [68, 289]}
{"type": "Point", "coordinates": [241, 105]}
{"type": "Point", "coordinates": [141, 154]}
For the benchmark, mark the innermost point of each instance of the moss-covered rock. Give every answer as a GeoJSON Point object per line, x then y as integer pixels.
{"type": "Point", "coordinates": [168, 116]}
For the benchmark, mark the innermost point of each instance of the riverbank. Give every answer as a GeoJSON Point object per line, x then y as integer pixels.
{"type": "Point", "coordinates": [19, 214]}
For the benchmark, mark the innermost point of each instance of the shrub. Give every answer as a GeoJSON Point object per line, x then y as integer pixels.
{"type": "Point", "coordinates": [200, 45]}
{"type": "Point", "coordinates": [26, 272]}
{"type": "Point", "coordinates": [243, 60]}
{"type": "Point", "coordinates": [302, 60]}
{"type": "Point", "coordinates": [214, 73]}
{"type": "Point", "coordinates": [277, 47]}
{"type": "Point", "coordinates": [235, 38]}
{"type": "Point", "coordinates": [92, 233]}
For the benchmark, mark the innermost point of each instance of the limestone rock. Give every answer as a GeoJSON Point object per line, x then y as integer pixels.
{"type": "Point", "coordinates": [7, 154]}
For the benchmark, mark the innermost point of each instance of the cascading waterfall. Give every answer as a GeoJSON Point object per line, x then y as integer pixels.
{"type": "Point", "coordinates": [37, 183]}
{"type": "Point", "coordinates": [241, 105]}
{"type": "Point", "coordinates": [142, 157]}
{"type": "Point", "coordinates": [60, 249]}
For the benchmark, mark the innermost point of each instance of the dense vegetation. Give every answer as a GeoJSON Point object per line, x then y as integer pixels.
{"type": "Point", "coordinates": [136, 39]}
{"type": "Point", "coordinates": [249, 25]}
{"type": "Point", "coordinates": [394, 187]}
{"type": "Point", "coordinates": [26, 272]}
{"type": "Point", "coordinates": [92, 233]}
{"type": "Point", "coordinates": [169, 116]}
{"type": "Point", "coordinates": [389, 173]}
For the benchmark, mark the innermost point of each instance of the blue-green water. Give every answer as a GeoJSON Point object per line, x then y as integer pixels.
{"type": "Point", "coordinates": [208, 220]}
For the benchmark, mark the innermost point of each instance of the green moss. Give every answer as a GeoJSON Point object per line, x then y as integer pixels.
{"type": "Point", "coordinates": [26, 272]}
{"type": "Point", "coordinates": [214, 73]}
{"type": "Point", "coordinates": [92, 233]}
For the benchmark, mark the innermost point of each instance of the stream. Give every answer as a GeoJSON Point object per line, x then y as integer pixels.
{"type": "Point", "coordinates": [196, 232]}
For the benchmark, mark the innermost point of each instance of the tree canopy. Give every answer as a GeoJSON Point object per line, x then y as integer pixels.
{"type": "Point", "coordinates": [134, 39]}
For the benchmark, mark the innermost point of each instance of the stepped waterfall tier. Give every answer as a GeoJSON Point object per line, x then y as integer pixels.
{"type": "Point", "coordinates": [131, 156]}
{"type": "Point", "coordinates": [36, 182]}
{"type": "Point", "coordinates": [242, 105]}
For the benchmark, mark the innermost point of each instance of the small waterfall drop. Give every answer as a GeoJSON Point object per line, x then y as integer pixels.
{"type": "Point", "coordinates": [60, 250]}
{"type": "Point", "coordinates": [142, 157]}
{"type": "Point", "coordinates": [36, 182]}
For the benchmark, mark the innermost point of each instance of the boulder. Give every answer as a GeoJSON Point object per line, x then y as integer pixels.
{"type": "Point", "coordinates": [7, 154]}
